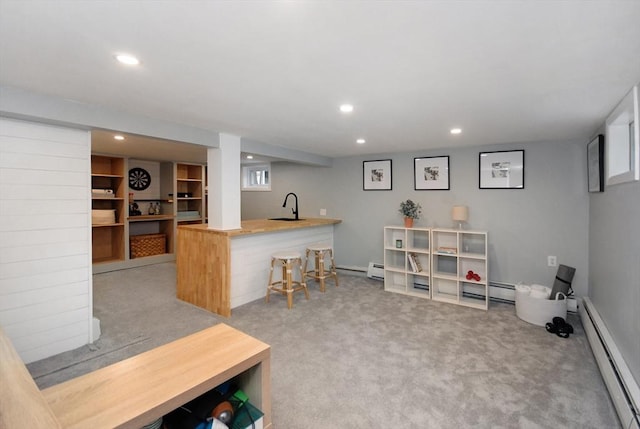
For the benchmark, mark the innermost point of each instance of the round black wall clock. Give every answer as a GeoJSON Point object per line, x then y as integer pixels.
{"type": "Point", "coordinates": [139, 179]}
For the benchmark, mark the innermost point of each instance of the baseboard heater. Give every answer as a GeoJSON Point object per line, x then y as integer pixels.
{"type": "Point", "coordinates": [375, 271]}
{"type": "Point", "coordinates": [623, 389]}
{"type": "Point", "coordinates": [498, 291]}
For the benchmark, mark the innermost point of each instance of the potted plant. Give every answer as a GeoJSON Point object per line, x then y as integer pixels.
{"type": "Point", "coordinates": [410, 210]}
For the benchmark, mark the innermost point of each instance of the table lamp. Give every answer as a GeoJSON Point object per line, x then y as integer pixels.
{"type": "Point", "coordinates": [460, 214]}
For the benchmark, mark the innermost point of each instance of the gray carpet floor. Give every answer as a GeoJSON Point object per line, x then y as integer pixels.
{"type": "Point", "coordinates": [359, 357]}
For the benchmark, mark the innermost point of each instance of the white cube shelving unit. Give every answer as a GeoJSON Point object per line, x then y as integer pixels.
{"type": "Point", "coordinates": [407, 260]}
{"type": "Point", "coordinates": [444, 259]}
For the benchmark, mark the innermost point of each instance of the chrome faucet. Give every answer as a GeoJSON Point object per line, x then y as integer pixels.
{"type": "Point", "coordinates": [295, 211]}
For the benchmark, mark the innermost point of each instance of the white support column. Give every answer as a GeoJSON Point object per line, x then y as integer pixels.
{"type": "Point", "coordinates": [224, 183]}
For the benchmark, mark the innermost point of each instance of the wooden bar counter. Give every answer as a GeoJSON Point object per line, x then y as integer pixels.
{"type": "Point", "coordinates": [219, 270]}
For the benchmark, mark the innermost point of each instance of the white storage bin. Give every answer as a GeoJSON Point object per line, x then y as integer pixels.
{"type": "Point", "coordinates": [536, 309]}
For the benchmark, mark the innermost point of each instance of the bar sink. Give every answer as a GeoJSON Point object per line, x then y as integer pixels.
{"type": "Point", "coordinates": [288, 219]}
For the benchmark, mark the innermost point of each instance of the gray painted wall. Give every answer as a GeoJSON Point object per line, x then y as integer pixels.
{"type": "Point", "coordinates": [548, 217]}
{"type": "Point", "coordinates": [614, 266]}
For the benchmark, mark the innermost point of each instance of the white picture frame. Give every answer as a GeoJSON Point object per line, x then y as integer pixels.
{"type": "Point", "coordinates": [376, 175]}
{"type": "Point", "coordinates": [501, 169]}
{"type": "Point", "coordinates": [431, 173]}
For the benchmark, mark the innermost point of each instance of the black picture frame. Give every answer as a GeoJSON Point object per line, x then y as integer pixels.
{"type": "Point", "coordinates": [431, 173]}
{"type": "Point", "coordinates": [502, 169]}
{"type": "Point", "coordinates": [376, 175]}
{"type": "Point", "coordinates": [595, 164]}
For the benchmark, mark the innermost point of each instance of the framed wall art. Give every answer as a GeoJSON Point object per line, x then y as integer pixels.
{"type": "Point", "coordinates": [502, 169]}
{"type": "Point", "coordinates": [431, 173]}
{"type": "Point", "coordinates": [376, 175]}
{"type": "Point", "coordinates": [595, 164]}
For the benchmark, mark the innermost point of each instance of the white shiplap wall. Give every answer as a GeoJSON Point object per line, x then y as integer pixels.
{"type": "Point", "coordinates": [251, 258]}
{"type": "Point", "coordinates": [45, 237]}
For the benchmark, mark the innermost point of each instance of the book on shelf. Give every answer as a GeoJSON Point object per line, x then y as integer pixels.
{"type": "Point", "coordinates": [448, 250]}
{"type": "Point", "coordinates": [415, 262]}
{"type": "Point", "coordinates": [412, 262]}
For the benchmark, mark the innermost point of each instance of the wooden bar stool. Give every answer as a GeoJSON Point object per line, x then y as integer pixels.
{"type": "Point", "coordinates": [320, 272]}
{"type": "Point", "coordinates": [288, 261]}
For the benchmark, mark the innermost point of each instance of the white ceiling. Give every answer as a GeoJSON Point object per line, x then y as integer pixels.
{"type": "Point", "coordinates": [141, 147]}
{"type": "Point", "coordinates": [276, 71]}
{"type": "Point", "coordinates": [144, 147]}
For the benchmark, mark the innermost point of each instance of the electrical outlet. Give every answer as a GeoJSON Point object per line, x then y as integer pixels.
{"type": "Point", "coordinates": [552, 261]}
{"type": "Point", "coordinates": [323, 212]}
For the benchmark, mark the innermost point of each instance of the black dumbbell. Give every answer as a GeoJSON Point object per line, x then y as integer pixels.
{"type": "Point", "coordinates": [559, 327]}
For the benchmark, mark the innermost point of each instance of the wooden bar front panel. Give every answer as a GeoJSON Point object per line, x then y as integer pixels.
{"type": "Point", "coordinates": [203, 265]}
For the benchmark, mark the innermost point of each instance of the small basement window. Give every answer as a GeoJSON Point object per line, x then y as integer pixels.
{"type": "Point", "coordinates": [256, 177]}
{"type": "Point", "coordinates": [622, 141]}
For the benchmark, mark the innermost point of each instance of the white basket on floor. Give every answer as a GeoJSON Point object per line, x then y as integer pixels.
{"type": "Point", "coordinates": [533, 306]}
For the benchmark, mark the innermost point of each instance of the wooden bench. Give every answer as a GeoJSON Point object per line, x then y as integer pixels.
{"type": "Point", "coordinates": [136, 391]}
{"type": "Point", "coordinates": [21, 403]}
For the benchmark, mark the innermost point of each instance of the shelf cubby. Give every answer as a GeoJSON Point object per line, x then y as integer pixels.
{"type": "Point", "coordinates": [107, 240]}
{"type": "Point", "coordinates": [107, 243]}
{"type": "Point", "coordinates": [395, 238]}
{"type": "Point", "coordinates": [418, 239]}
{"type": "Point", "coordinates": [395, 260]}
{"type": "Point", "coordinates": [445, 266]}
{"type": "Point", "coordinates": [418, 284]}
{"type": "Point", "coordinates": [472, 244]}
{"type": "Point", "coordinates": [395, 281]}
{"type": "Point", "coordinates": [444, 290]}
{"type": "Point", "coordinates": [189, 193]}
{"type": "Point", "coordinates": [478, 266]}
{"type": "Point", "coordinates": [186, 172]}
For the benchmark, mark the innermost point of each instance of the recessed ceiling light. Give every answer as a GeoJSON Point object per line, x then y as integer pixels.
{"type": "Point", "coordinates": [456, 130]}
{"type": "Point", "coordinates": [346, 108]}
{"type": "Point", "coordinates": [127, 59]}
{"type": "Point", "coordinates": [249, 156]}
{"type": "Point", "coordinates": [118, 137]}
{"type": "Point", "coordinates": [361, 141]}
